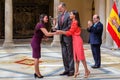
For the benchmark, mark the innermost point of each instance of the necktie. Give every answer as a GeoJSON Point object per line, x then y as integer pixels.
{"type": "Point", "coordinates": [61, 19]}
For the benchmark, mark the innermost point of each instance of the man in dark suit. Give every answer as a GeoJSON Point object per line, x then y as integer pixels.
{"type": "Point", "coordinates": [95, 39]}
{"type": "Point", "coordinates": [64, 23]}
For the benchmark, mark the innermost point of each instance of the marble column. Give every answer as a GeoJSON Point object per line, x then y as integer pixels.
{"type": "Point", "coordinates": [100, 10]}
{"type": "Point", "coordinates": [8, 24]}
{"type": "Point", "coordinates": [56, 38]}
{"type": "Point", "coordinates": [109, 41]}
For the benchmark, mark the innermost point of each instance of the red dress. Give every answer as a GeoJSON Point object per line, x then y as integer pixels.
{"type": "Point", "coordinates": [77, 41]}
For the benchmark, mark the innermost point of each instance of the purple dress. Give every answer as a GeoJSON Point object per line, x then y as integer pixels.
{"type": "Point", "coordinates": [36, 41]}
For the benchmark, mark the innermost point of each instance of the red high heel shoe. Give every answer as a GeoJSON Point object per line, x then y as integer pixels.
{"type": "Point", "coordinates": [87, 74]}
{"type": "Point", "coordinates": [76, 74]}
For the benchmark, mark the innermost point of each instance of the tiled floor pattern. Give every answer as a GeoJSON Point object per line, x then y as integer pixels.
{"type": "Point", "coordinates": [17, 64]}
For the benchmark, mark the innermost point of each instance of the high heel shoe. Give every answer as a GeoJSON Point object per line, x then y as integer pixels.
{"type": "Point", "coordinates": [76, 74]}
{"type": "Point", "coordinates": [36, 76]}
{"type": "Point", "coordinates": [87, 74]}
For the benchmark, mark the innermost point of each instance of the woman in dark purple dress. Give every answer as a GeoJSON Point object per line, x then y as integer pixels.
{"type": "Point", "coordinates": [39, 32]}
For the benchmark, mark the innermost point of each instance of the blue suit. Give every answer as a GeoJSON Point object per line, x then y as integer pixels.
{"type": "Point", "coordinates": [95, 39]}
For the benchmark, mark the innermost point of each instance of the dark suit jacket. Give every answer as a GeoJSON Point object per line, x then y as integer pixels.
{"type": "Point", "coordinates": [65, 26]}
{"type": "Point", "coordinates": [119, 29]}
{"type": "Point", "coordinates": [95, 33]}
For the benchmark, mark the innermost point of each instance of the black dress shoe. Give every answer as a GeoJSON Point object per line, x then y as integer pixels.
{"type": "Point", "coordinates": [71, 74]}
{"type": "Point", "coordinates": [36, 76]}
{"type": "Point", "coordinates": [94, 67]}
{"type": "Point", "coordinates": [64, 73]}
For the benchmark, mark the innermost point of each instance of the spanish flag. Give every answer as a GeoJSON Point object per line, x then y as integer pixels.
{"type": "Point", "coordinates": [111, 28]}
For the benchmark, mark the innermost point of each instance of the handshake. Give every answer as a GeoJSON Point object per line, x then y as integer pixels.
{"type": "Point", "coordinates": [57, 32]}
{"type": "Point", "coordinates": [53, 29]}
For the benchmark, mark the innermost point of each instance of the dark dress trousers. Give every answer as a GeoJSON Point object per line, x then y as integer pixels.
{"type": "Point", "coordinates": [66, 42]}
{"type": "Point", "coordinates": [95, 39]}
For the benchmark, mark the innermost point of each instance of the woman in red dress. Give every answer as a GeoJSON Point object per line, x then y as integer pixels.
{"type": "Point", "coordinates": [75, 31]}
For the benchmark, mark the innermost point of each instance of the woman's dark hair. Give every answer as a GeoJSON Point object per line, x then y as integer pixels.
{"type": "Point", "coordinates": [42, 17]}
{"type": "Point", "coordinates": [76, 16]}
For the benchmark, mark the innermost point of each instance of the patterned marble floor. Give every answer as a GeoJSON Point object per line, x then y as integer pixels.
{"type": "Point", "coordinates": [17, 64]}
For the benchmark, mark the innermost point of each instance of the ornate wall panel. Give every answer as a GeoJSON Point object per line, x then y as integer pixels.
{"type": "Point", "coordinates": [1, 19]}
{"type": "Point", "coordinates": [26, 15]}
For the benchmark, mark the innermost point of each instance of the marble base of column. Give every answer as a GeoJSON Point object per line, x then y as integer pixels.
{"type": "Point", "coordinates": [55, 44]}
{"type": "Point", "coordinates": [8, 44]}
{"type": "Point", "coordinates": [56, 41]}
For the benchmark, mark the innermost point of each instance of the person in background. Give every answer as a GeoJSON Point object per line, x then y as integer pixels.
{"type": "Point", "coordinates": [95, 39]}
{"type": "Point", "coordinates": [39, 31]}
{"type": "Point", "coordinates": [78, 50]}
{"type": "Point", "coordinates": [64, 23]}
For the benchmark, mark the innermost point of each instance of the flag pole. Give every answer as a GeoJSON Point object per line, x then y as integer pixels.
{"type": "Point", "coordinates": [113, 48]}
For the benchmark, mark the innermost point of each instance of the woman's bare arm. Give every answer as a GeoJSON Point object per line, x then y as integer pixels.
{"type": "Point", "coordinates": [44, 30]}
